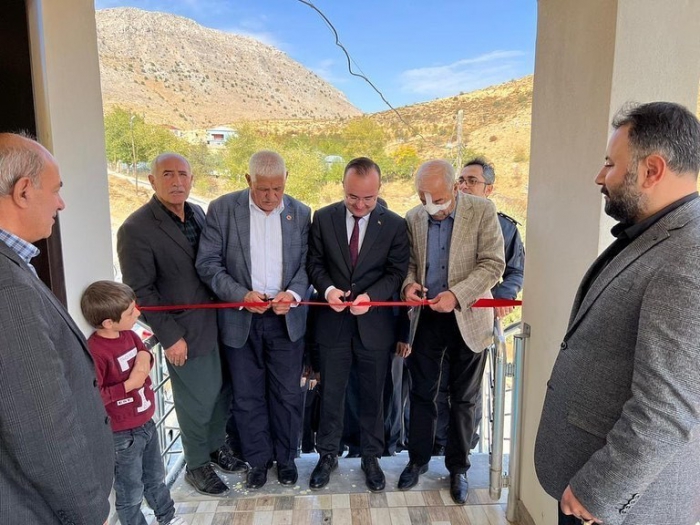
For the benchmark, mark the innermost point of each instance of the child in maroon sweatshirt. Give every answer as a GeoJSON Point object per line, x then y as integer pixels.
{"type": "Point", "coordinates": [123, 364]}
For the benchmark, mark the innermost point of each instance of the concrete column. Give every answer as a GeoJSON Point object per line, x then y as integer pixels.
{"type": "Point", "coordinates": [68, 100]}
{"type": "Point", "coordinates": [591, 57]}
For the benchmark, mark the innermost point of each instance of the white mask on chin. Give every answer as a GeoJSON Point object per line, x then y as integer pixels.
{"type": "Point", "coordinates": [433, 209]}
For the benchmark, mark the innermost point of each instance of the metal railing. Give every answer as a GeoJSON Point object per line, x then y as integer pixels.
{"type": "Point", "coordinates": [499, 372]}
{"type": "Point", "coordinates": [167, 426]}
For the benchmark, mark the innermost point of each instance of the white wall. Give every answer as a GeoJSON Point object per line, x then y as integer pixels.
{"type": "Point", "coordinates": [68, 101]}
{"type": "Point", "coordinates": [591, 57]}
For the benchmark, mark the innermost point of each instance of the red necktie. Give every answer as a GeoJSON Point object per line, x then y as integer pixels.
{"type": "Point", "coordinates": [355, 241]}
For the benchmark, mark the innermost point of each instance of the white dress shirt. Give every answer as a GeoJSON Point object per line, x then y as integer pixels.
{"type": "Point", "coordinates": [266, 250]}
{"type": "Point", "coordinates": [350, 225]}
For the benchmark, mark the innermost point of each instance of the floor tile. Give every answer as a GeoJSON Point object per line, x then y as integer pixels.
{"type": "Point", "coordinates": [399, 516]}
{"type": "Point", "coordinates": [207, 506]}
{"type": "Point", "coordinates": [262, 517]}
{"type": "Point", "coordinates": [380, 516]}
{"type": "Point", "coordinates": [282, 517]}
{"type": "Point", "coordinates": [342, 516]}
{"type": "Point", "coordinates": [361, 517]}
{"type": "Point", "coordinates": [359, 501]}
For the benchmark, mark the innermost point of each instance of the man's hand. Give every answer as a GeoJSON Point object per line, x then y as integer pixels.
{"type": "Point", "coordinates": [282, 303]}
{"type": "Point", "coordinates": [403, 349]}
{"type": "Point", "coordinates": [444, 302]}
{"type": "Point", "coordinates": [414, 292]}
{"type": "Point", "coordinates": [572, 506]}
{"type": "Point", "coordinates": [360, 310]}
{"type": "Point", "coordinates": [256, 297]}
{"type": "Point", "coordinates": [502, 311]}
{"type": "Point", "coordinates": [177, 354]}
{"type": "Point", "coordinates": [336, 298]}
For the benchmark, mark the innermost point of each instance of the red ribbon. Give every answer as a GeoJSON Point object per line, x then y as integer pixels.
{"type": "Point", "coordinates": [481, 303]}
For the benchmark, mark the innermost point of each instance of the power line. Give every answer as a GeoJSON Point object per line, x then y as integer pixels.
{"type": "Point", "coordinates": [361, 75]}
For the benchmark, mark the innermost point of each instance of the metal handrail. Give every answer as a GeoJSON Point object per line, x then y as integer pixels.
{"type": "Point", "coordinates": [167, 435]}
{"type": "Point", "coordinates": [499, 397]}
{"type": "Point", "coordinates": [500, 366]}
{"type": "Point", "coordinates": [515, 423]}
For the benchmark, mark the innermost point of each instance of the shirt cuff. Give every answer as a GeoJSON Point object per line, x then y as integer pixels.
{"type": "Point", "coordinates": [296, 297]}
{"type": "Point", "coordinates": [325, 294]}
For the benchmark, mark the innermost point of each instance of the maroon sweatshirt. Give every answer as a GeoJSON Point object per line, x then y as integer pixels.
{"type": "Point", "coordinates": [114, 360]}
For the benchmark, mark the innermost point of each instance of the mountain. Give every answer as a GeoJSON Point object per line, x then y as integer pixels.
{"type": "Point", "coordinates": [180, 73]}
{"type": "Point", "coordinates": [495, 124]}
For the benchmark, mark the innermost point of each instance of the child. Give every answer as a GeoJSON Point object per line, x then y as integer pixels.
{"type": "Point", "coordinates": [122, 364]}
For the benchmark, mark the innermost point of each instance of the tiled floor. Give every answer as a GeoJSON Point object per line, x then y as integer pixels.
{"type": "Point", "coordinates": [346, 501]}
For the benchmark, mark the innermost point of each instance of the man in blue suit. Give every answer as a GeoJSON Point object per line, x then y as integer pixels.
{"type": "Point", "coordinates": [253, 249]}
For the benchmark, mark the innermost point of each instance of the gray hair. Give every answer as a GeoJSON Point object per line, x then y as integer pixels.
{"type": "Point", "coordinates": [489, 173]}
{"type": "Point", "coordinates": [163, 156]}
{"type": "Point", "coordinates": [17, 161]}
{"type": "Point", "coordinates": [439, 166]}
{"type": "Point", "coordinates": [665, 128]}
{"type": "Point", "coordinates": [266, 163]}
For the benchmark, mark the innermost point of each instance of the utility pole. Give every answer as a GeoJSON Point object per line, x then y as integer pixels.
{"type": "Point", "coordinates": [460, 117]}
{"type": "Point", "coordinates": [133, 153]}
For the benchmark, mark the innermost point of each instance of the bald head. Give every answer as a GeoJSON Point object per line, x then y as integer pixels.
{"type": "Point", "coordinates": [435, 170]}
{"type": "Point", "coordinates": [435, 182]}
{"type": "Point", "coordinates": [171, 179]}
{"type": "Point", "coordinates": [30, 187]}
{"type": "Point", "coordinates": [20, 156]}
{"type": "Point", "coordinates": [165, 157]}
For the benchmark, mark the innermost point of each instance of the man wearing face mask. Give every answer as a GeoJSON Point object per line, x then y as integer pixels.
{"type": "Point", "coordinates": [456, 257]}
{"type": "Point", "coordinates": [477, 178]}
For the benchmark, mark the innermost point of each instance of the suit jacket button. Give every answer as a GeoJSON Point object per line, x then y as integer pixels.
{"type": "Point", "coordinates": [563, 345]}
{"type": "Point", "coordinates": [94, 383]}
{"type": "Point", "coordinates": [107, 420]}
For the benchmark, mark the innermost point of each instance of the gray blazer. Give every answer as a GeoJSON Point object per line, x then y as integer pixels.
{"type": "Point", "coordinates": [157, 261]}
{"type": "Point", "coordinates": [56, 448]}
{"type": "Point", "coordinates": [223, 261]}
{"type": "Point", "coordinates": [621, 419]}
{"type": "Point", "coordinates": [475, 265]}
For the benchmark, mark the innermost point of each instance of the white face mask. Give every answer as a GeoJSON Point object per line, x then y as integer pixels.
{"type": "Point", "coordinates": [432, 208]}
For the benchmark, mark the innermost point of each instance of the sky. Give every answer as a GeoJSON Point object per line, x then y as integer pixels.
{"type": "Point", "coordinates": [412, 50]}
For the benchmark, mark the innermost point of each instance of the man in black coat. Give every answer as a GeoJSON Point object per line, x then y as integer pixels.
{"type": "Point", "coordinates": [358, 252]}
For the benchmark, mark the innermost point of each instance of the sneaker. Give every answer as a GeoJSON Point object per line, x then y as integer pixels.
{"type": "Point", "coordinates": [226, 460]}
{"type": "Point", "coordinates": [205, 481]}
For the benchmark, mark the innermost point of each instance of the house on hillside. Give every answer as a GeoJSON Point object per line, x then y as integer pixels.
{"type": "Point", "coordinates": [219, 135]}
{"type": "Point", "coordinates": [172, 129]}
{"type": "Point", "coordinates": [329, 160]}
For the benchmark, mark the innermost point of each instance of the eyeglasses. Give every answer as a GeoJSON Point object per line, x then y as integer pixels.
{"type": "Point", "coordinates": [471, 181]}
{"type": "Point", "coordinates": [354, 199]}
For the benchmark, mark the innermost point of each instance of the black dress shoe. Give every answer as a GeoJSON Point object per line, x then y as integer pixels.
{"type": "Point", "coordinates": [322, 472]}
{"type": "Point", "coordinates": [409, 476]}
{"type": "Point", "coordinates": [287, 474]}
{"type": "Point", "coordinates": [374, 477]}
{"type": "Point", "coordinates": [459, 488]}
{"type": "Point", "coordinates": [226, 460]}
{"type": "Point", "coordinates": [257, 477]}
{"type": "Point", "coordinates": [205, 481]}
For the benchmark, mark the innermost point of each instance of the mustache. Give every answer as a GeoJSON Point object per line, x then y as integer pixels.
{"type": "Point", "coordinates": [605, 191]}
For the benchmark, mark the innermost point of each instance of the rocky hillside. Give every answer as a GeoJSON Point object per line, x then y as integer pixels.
{"type": "Point", "coordinates": [177, 72]}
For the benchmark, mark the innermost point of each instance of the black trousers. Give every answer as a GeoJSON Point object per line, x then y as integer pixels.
{"type": "Point", "coordinates": [336, 362]}
{"type": "Point", "coordinates": [438, 335]}
{"type": "Point", "coordinates": [266, 372]}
